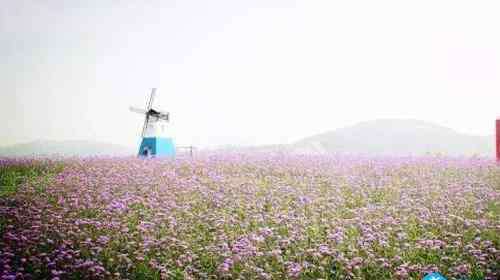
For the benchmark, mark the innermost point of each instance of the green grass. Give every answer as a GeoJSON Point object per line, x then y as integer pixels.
{"type": "Point", "coordinates": [12, 176]}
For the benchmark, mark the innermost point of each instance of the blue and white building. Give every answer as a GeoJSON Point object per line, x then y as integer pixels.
{"type": "Point", "coordinates": [155, 140]}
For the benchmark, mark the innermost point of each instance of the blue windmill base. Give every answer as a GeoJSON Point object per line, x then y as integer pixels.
{"type": "Point", "coordinates": [157, 147]}
{"type": "Point", "coordinates": [434, 276]}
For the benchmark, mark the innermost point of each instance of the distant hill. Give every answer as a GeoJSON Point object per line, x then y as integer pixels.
{"type": "Point", "coordinates": [66, 148]}
{"type": "Point", "coordinates": [396, 137]}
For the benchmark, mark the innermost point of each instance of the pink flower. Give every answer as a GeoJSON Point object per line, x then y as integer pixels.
{"type": "Point", "coordinates": [226, 265]}
{"type": "Point", "coordinates": [463, 269]}
{"type": "Point", "coordinates": [294, 269]}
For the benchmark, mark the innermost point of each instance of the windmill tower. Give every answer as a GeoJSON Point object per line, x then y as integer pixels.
{"type": "Point", "coordinates": [154, 142]}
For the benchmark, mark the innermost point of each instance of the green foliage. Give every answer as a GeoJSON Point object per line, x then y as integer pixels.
{"type": "Point", "coordinates": [266, 222]}
{"type": "Point", "coordinates": [14, 175]}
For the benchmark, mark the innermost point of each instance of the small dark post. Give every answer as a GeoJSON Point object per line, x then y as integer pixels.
{"type": "Point", "coordinates": [498, 139]}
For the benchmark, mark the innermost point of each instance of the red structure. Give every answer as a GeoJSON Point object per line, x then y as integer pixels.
{"type": "Point", "coordinates": [498, 140]}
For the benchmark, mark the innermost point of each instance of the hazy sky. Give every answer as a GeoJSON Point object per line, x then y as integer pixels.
{"type": "Point", "coordinates": [244, 72]}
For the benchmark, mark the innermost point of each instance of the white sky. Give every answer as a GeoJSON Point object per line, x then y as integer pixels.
{"type": "Point", "coordinates": [244, 72]}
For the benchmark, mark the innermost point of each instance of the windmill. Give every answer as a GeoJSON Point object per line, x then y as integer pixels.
{"type": "Point", "coordinates": [154, 142]}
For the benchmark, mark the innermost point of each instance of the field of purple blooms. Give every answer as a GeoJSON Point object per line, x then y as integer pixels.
{"type": "Point", "coordinates": [230, 216]}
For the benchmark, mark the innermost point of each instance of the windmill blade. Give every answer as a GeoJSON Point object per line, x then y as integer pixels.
{"type": "Point", "coordinates": [146, 120]}
{"type": "Point", "coordinates": [162, 112]}
{"type": "Point", "coordinates": [164, 115]}
{"type": "Point", "coordinates": [151, 99]}
{"type": "Point", "coordinates": [137, 110]}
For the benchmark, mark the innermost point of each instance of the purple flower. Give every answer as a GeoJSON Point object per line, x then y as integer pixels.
{"type": "Point", "coordinates": [293, 269]}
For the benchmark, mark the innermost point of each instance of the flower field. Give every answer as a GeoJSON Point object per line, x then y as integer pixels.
{"type": "Point", "coordinates": [232, 216]}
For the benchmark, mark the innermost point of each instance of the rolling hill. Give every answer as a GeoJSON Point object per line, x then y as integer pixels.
{"type": "Point", "coordinates": [396, 137]}
{"type": "Point", "coordinates": [392, 137]}
{"type": "Point", "coordinates": [66, 148]}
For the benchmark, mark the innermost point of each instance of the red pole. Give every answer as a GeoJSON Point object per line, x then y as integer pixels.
{"type": "Point", "coordinates": [498, 139]}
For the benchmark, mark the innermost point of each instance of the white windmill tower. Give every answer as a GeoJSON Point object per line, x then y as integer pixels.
{"type": "Point", "coordinates": [154, 142]}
